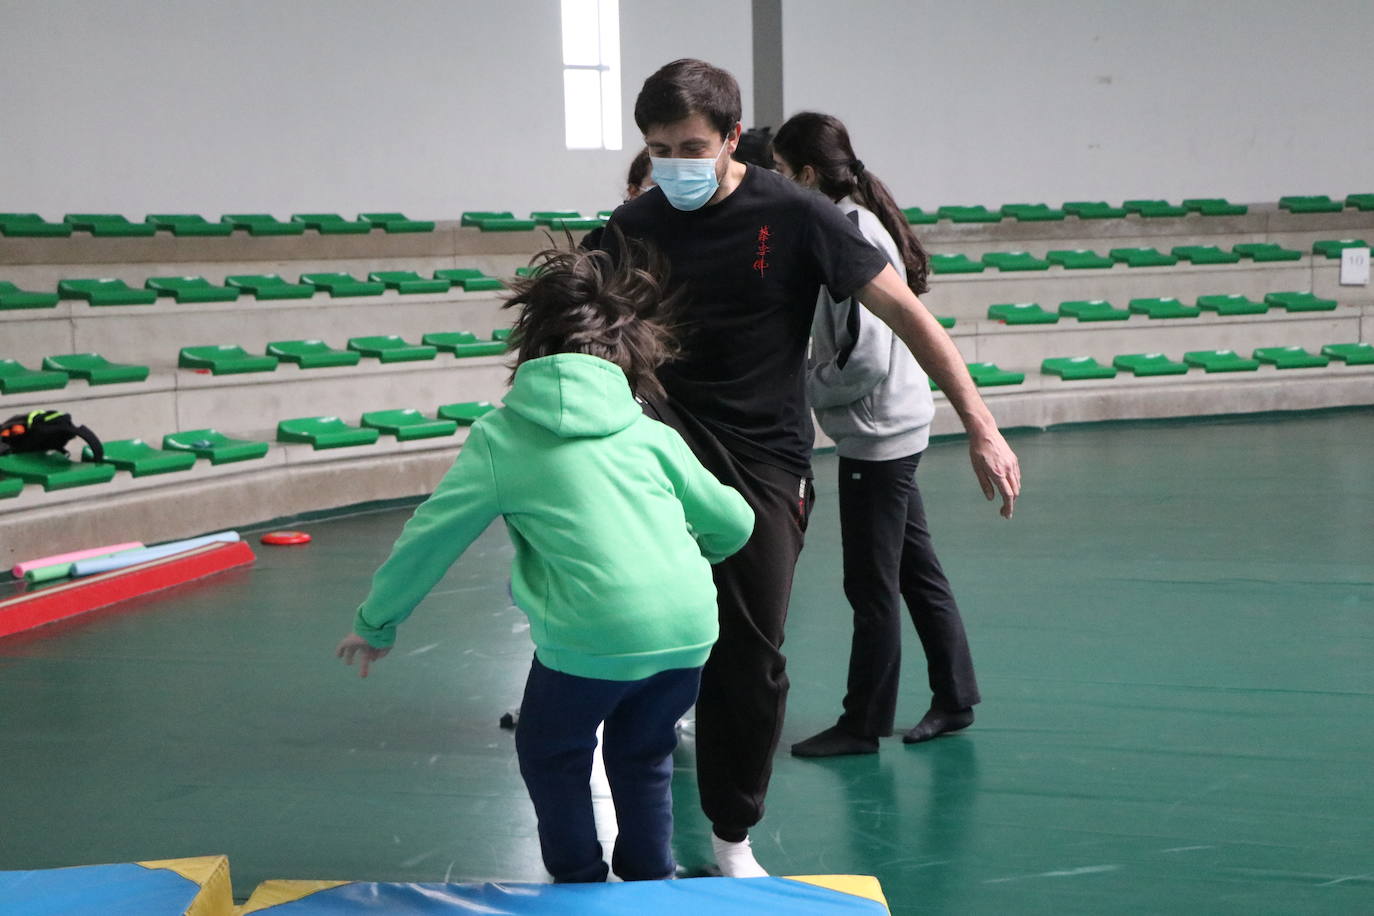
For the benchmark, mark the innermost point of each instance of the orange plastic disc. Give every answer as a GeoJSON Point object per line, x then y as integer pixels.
{"type": "Point", "coordinates": [285, 538]}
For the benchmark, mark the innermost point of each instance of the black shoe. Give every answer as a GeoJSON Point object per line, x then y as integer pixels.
{"type": "Point", "coordinates": [937, 722]}
{"type": "Point", "coordinates": [834, 742]}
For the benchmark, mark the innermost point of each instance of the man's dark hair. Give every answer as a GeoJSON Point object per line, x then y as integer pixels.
{"type": "Point", "coordinates": [614, 306]}
{"type": "Point", "coordinates": [687, 87]}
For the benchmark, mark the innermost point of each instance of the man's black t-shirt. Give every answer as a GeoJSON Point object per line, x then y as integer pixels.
{"type": "Point", "coordinates": [751, 266]}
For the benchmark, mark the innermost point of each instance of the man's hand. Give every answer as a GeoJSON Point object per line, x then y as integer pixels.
{"type": "Point", "coordinates": [997, 469]}
{"type": "Point", "coordinates": [354, 644]}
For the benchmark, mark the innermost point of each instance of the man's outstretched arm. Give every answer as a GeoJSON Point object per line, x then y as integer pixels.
{"type": "Point", "coordinates": [994, 463]}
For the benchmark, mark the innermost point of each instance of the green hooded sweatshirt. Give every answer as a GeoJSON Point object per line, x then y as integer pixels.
{"type": "Point", "coordinates": [615, 524]}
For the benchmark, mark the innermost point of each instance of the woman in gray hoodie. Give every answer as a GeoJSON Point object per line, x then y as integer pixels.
{"type": "Point", "coordinates": [873, 399]}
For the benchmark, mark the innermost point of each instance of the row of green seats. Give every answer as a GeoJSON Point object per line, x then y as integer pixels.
{"type": "Point", "coordinates": [506, 221]}
{"type": "Point", "coordinates": [1146, 208]}
{"type": "Point", "coordinates": [93, 368]}
{"type": "Point", "coordinates": [1074, 368]}
{"type": "Point", "coordinates": [1086, 259]}
{"type": "Point", "coordinates": [179, 451]}
{"type": "Point", "coordinates": [110, 292]}
{"type": "Point", "coordinates": [1157, 307]}
{"type": "Point", "coordinates": [31, 225]}
{"type": "Point", "coordinates": [316, 354]}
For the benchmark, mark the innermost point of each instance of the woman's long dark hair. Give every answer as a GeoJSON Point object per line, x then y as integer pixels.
{"type": "Point", "coordinates": [822, 142]}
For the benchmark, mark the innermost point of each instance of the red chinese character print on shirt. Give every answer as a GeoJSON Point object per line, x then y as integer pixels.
{"type": "Point", "coordinates": [761, 252]}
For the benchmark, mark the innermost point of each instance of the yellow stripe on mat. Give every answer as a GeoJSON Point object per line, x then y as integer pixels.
{"type": "Point", "coordinates": [216, 896]}
{"type": "Point", "coordinates": [865, 886]}
{"type": "Point", "coordinates": [273, 893]}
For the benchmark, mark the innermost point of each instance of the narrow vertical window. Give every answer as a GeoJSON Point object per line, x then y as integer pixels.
{"type": "Point", "coordinates": [591, 73]}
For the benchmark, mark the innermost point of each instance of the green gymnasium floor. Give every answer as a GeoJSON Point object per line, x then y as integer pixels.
{"type": "Point", "coordinates": [1175, 640]}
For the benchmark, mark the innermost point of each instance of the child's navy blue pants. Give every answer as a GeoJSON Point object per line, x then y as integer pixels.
{"type": "Point", "coordinates": [555, 739]}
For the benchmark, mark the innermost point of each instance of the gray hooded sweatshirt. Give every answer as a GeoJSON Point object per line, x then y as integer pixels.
{"type": "Point", "coordinates": [869, 393]}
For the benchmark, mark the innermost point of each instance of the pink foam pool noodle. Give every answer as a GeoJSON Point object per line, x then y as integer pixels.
{"type": "Point", "coordinates": [72, 557]}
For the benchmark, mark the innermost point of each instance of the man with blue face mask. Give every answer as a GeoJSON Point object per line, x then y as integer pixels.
{"type": "Point", "coordinates": [751, 250]}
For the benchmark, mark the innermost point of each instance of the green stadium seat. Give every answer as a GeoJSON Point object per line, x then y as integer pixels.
{"type": "Point", "coordinates": [1204, 254]}
{"type": "Point", "coordinates": [141, 459]}
{"type": "Point", "coordinates": [583, 224]}
{"type": "Point", "coordinates": [987, 375]}
{"type": "Point", "coordinates": [1332, 248]}
{"type": "Point", "coordinates": [507, 225]}
{"type": "Point", "coordinates": [12, 297]}
{"type": "Point", "coordinates": [1092, 310]}
{"type": "Point", "coordinates": [1313, 203]}
{"type": "Point", "coordinates": [325, 432]}
{"type": "Point", "coordinates": [915, 216]}
{"type": "Point", "coordinates": [1153, 209]}
{"type": "Point", "coordinates": [224, 360]}
{"type": "Point", "coordinates": [1014, 260]}
{"type": "Point", "coordinates": [977, 214]}
{"type": "Point", "coordinates": [502, 333]}
{"type": "Point", "coordinates": [270, 286]}
{"type": "Point", "coordinates": [470, 279]}
{"type": "Point", "coordinates": [332, 224]}
{"type": "Point", "coordinates": [54, 470]}
{"type": "Point", "coordinates": [1352, 354]}
{"type": "Point", "coordinates": [408, 424]}
{"type": "Point", "coordinates": [466, 413]}
{"type": "Point", "coordinates": [10, 486]}
{"type": "Point", "coordinates": [1076, 368]}
{"type": "Point", "coordinates": [16, 379]}
{"type": "Point", "coordinates": [339, 285]}
{"type": "Point", "coordinates": [95, 369]}
{"type": "Point", "coordinates": [31, 225]}
{"type": "Point", "coordinates": [547, 217]}
{"type": "Point", "coordinates": [408, 282]}
{"type": "Point", "coordinates": [390, 348]}
{"type": "Point", "coordinates": [262, 224]}
{"type": "Point", "coordinates": [1163, 308]}
{"type": "Point", "coordinates": [954, 264]}
{"type": "Point", "coordinates": [1215, 206]}
{"type": "Point", "coordinates": [1290, 358]}
{"type": "Point", "coordinates": [212, 444]}
{"type": "Point", "coordinates": [1093, 209]}
{"type": "Point", "coordinates": [312, 354]}
{"type": "Point", "coordinates": [946, 321]}
{"type": "Point", "coordinates": [1300, 302]}
{"type": "Point", "coordinates": [1231, 305]}
{"type": "Point", "coordinates": [1032, 213]}
{"type": "Point", "coordinates": [1220, 361]}
{"type": "Point", "coordinates": [188, 224]}
{"type": "Point", "coordinates": [463, 343]}
{"type": "Point", "coordinates": [1078, 259]}
{"type": "Point", "coordinates": [1266, 251]}
{"type": "Point", "coordinates": [103, 292]}
{"type": "Point", "coordinates": [474, 218]}
{"type": "Point", "coordinates": [397, 222]}
{"type": "Point", "coordinates": [1360, 201]}
{"type": "Point", "coordinates": [1021, 313]}
{"type": "Point", "coordinates": [1149, 364]}
{"type": "Point", "coordinates": [604, 214]}
{"type": "Point", "coordinates": [191, 289]}
{"type": "Point", "coordinates": [108, 225]}
{"type": "Point", "coordinates": [1143, 257]}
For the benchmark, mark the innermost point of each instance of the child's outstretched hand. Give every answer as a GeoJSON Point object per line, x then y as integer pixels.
{"type": "Point", "coordinates": [352, 645]}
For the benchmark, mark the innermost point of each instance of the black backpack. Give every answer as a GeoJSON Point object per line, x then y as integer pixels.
{"type": "Point", "coordinates": [44, 431]}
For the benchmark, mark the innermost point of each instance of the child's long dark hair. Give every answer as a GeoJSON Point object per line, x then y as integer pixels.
{"type": "Point", "coordinates": [822, 142]}
{"type": "Point", "coordinates": [611, 304]}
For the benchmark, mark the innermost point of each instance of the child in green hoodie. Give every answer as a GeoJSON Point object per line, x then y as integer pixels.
{"type": "Point", "coordinates": [615, 524]}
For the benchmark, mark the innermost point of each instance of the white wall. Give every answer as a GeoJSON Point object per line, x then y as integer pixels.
{"type": "Point", "coordinates": [1003, 101]}
{"type": "Point", "coordinates": [215, 106]}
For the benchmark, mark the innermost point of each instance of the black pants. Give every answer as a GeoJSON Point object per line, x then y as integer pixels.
{"type": "Point", "coordinates": [744, 683]}
{"type": "Point", "coordinates": [888, 556]}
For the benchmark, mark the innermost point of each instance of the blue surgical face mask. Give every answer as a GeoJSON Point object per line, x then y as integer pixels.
{"type": "Point", "coordinates": [687, 183]}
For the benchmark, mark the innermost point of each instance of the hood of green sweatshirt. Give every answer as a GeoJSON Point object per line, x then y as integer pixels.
{"type": "Point", "coordinates": [573, 395]}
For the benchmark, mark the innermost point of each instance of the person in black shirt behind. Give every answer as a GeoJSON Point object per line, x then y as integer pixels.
{"type": "Point", "coordinates": [751, 251]}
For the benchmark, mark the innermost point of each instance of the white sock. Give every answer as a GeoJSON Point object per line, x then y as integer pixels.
{"type": "Point", "coordinates": [736, 860]}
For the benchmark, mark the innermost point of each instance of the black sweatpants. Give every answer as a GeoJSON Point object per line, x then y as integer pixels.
{"type": "Point", "coordinates": [744, 682]}
{"type": "Point", "coordinates": [888, 557]}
